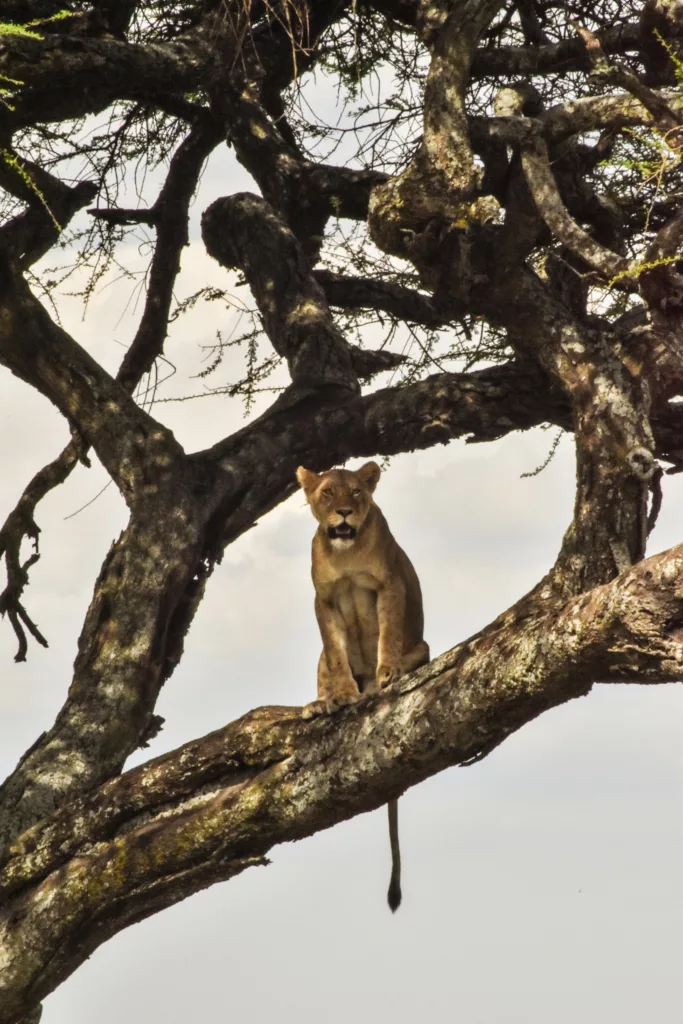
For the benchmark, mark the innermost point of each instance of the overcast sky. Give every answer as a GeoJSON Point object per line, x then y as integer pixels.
{"type": "Point", "coordinates": [543, 885]}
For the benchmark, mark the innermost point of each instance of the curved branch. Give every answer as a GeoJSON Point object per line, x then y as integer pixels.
{"type": "Point", "coordinates": [270, 58]}
{"type": "Point", "coordinates": [306, 193]}
{"type": "Point", "coordinates": [20, 525]}
{"type": "Point", "coordinates": [153, 578]}
{"type": "Point", "coordinates": [446, 144]}
{"type": "Point", "coordinates": [543, 187]}
{"type": "Point", "coordinates": [591, 113]}
{"type": "Point", "coordinates": [170, 216]}
{"type": "Point", "coordinates": [318, 432]}
{"type": "Point", "coordinates": [439, 182]}
{"type": "Point", "coordinates": [245, 231]}
{"type": "Point", "coordinates": [575, 117]}
{"type": "Point", "coordinates": [610, 400]}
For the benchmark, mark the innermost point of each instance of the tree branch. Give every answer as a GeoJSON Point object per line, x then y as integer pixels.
{"type": "Point", "coordinates": [170, 216]}
{"type": "Point", "coordinates": [244, 231]}
{"type": "Point", "coordinates": [63, 77]}
{"type": "Point", "coordinates": [349, 292]}
{"type": "Point", "coordinates": [51, 205]}
{"type": "Point", "coordinates": [317, 432]}
{"type": "Point", "coordinates": [306, 193]}
{"type": "Point", "coordinates": [667, 118]}
{"type": "Point", "coordinates": [610, 402]}
{"type": "Point", "coordinates": [42, 354]}
{"type": "Point", "coordinates": [543, 187]}
{"type": "Point", "coordinates": [170, 213]}
{"type": "Point", "coordinates": [567, 55]}
{"type": "Point", "coordinates": [575, 117]}
{"type": "Point", "coordinates": [592, 113]}
{"type": "Point", "coordinates": [439, 182]}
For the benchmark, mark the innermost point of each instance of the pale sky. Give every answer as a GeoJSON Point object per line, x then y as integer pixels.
{"type": "Point", "coordinates": [543, 885]}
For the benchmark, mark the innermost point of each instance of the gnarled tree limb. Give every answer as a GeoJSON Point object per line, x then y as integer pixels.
{"type": "Point", "coordinates": [245, 231]}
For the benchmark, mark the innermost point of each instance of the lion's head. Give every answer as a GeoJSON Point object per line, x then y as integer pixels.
{"type": "Point", "coordinates": [340, 499]}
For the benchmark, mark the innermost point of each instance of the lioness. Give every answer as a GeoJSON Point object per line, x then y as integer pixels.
{"type": "Point", "coordinates": [368, 602]}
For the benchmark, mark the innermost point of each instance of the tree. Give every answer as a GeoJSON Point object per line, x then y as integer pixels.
{"type": "Point", "coordinates": [506, 198]}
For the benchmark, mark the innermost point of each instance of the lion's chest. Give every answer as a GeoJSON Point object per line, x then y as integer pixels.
{"type": "Point", "coordinates": [354, 595]}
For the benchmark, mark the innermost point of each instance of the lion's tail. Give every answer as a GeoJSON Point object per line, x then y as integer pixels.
{"type": "Point", "coordinates": [394, 893]}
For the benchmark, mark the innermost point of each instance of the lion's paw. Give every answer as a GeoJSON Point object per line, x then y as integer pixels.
{"type": "Point", "coordinates": [328, 705]}
{"type": "Point", "coordinates": [388, 674]}
{"type": "Point", "coordinates": [315, 708]}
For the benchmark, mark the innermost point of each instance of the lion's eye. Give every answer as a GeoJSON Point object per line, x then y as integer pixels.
{"type": "Point", "coordinates": [327, 492]}
{"type": "Point", "coordinates": [356, 492]}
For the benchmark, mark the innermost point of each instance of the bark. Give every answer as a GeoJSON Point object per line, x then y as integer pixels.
{"type": "Point", "coordinates": [24, 239]}
{"type": "Point", "coordinates": [50, 206]}
{"type": "Point", "coordinates": [41, 353]}
{"type": "Point", "coordinates": [574, 117]}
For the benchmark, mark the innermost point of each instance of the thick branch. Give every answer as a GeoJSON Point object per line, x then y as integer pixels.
{"type": "Point", "coordinates": [153, 579]}
{"type": "Point", "coordinates": [440, 181]}
{"type": "Point", "coordinates": [66, 77]}
{"type": "Point", "coordinates": [446, 144]}
{"type": "Point", "coordinates": [348, 292]}
{"type": "Point", "coordinates": [206, 811]}
{"type": "Point", "coordinates": [481, 406]}
{"type": "Point", "coordinates": [305, 193]}
{"type": "Point", "coordinates": [51, 205]}
{"type": "Point", "coordinates": [593, 113]}
{"type": "Point", "coordinates": [543, 187]}
{"type": "Point", "coordinates": [43, 355]}
{"type": "Point", "coordinates": [25, 238]}
{"type": "Point", "coordinates": [568, 55]}
{"type": "Point", "coordinates": [131, 638]}
{"type": "Point", "coordinates": [666, 118]}
{"type": "Point", "coordinates": [610, 401]}
{"type": "Point", "coordinates": [244, 231]}
{"type": "Point", "coordinates": [575, 117]}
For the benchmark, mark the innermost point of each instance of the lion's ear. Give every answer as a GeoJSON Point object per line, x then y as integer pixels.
{"type": "Point", "coordinates": [369, 474]}
{"type": "Point", "coordinates": [307, 478]}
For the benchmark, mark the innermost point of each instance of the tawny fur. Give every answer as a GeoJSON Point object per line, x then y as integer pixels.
{"type": "Point", "coordinates": [368, 601]}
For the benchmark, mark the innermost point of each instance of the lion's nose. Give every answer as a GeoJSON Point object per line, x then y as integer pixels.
{"type": "Point", "coordinates": [344, 512]}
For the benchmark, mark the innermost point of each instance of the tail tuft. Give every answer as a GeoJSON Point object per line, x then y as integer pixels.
{"type": "Point", "coordinates": [394, 895]}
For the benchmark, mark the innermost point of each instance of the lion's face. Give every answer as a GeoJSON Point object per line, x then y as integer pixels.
{"type": "Point", "coordinates": [340, 499]}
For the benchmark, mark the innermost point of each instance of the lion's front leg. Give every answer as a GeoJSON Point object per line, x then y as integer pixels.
{"type": "Point", "coordinates": [336, 685]}
{"type": "Point", "coordinates": [333, 692]}
{"type": "Point", "coordinates": [391, 605]}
